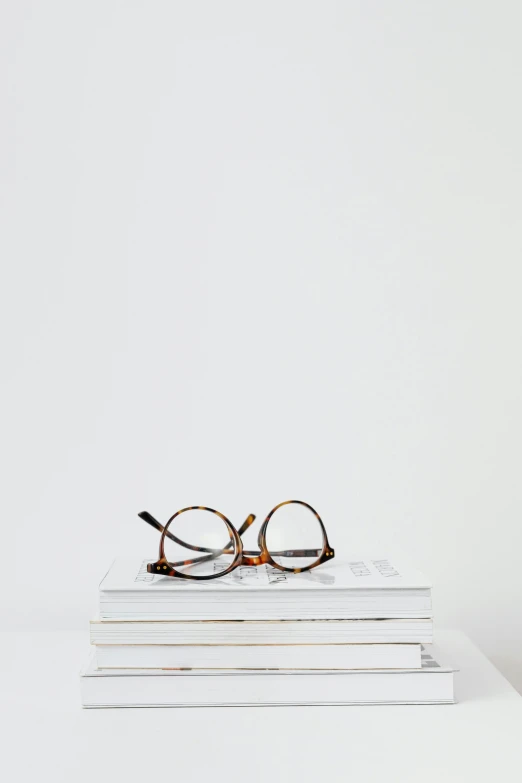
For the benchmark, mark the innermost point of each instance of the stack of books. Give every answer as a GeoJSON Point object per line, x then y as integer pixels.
{"type": "Point", "coordinates": [345, 633]}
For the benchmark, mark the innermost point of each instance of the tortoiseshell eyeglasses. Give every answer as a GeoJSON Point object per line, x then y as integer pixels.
{"type": "Point", "coordinates": [292, 538]}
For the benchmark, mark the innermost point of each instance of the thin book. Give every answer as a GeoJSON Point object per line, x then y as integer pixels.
{"type": "Point", "coordinates": [369, 588]}
{"type": "Point", "coordinates": [432, 684]}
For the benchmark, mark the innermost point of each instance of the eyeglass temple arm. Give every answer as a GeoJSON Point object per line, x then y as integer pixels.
{"type": "Point", "coordinates": [250, 553]}
{"type": "Point", "coordinates": [246, 524]}
{"type": "Point", "coordinates": [287, 552]}
{"type": "Point", "coordinates": [158, 526]}
{"type": "Point", "coordinates": [215, 552]}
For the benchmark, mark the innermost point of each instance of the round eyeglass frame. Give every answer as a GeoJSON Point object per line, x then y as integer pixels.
{"type": "Point", "coordinates": [242, 557]}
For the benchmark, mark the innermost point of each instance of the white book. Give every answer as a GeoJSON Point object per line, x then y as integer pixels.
{"type": "Point", "coordinates": [260, 656]}
{"type": "Point", "coordinates": [353, 589]}
{"type": "Point", "coordinates": [433, 684]}
{"type": "Point", "coordinates": [406, 631]}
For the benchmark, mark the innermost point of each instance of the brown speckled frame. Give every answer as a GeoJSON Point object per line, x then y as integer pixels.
{"type": "Point", "coordinates": [243, 557]}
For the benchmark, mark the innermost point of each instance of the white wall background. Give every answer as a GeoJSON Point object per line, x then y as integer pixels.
{"type": "Point", "coordinates": [253, 251]}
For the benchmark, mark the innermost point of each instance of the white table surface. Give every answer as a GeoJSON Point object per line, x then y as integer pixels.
{"type": "Point", "coordinates": [48, 736]}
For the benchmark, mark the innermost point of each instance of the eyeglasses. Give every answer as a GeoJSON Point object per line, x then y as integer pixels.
{"type": "Point", "coordinates": [292, 538]}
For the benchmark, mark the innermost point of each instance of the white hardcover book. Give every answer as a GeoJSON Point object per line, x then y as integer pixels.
{"type": "Point", "coordinates": [433, 684]}
{"type": "Point", "coordinates": [271, 656]}
{"type": "Point", "coordinates": [405, 631]}
{"type": "Point", "coordinates": [354, 589]}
